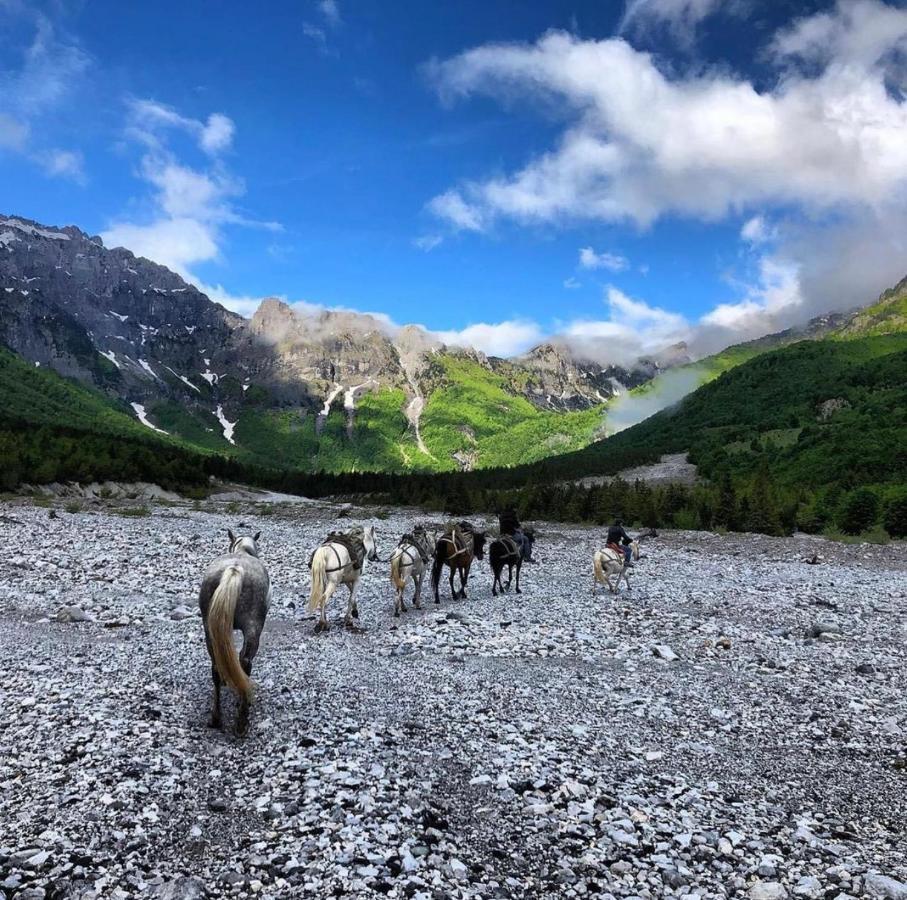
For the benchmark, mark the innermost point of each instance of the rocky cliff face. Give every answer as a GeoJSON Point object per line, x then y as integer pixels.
{"type": "Point", "coordinates": [160, 347]}
{"type": "Point", "coordinates": [126, 324]}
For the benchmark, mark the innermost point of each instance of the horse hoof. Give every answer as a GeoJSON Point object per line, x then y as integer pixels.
{"type": "Point", "coordinates": [518, 591]}
{"type": "Point", "coordinates": [322, 626]}
{"type": "Point", "coordinates": [214, 721]}
{"type": "Point", "coordinates": [242, 728]}
{"type": "Point", "coordinates": [396, 613]}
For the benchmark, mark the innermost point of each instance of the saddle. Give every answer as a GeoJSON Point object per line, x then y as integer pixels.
{"type": "Point", "coordinates": [353, 543]}
{"type": "Point", "coordinates": [510, 545]}
{"type": "Point", "coordinates": [417, 539]}
{"type": "Point", "coordinates": [461, 535]}
{"type": "Point", "coordinates": [616, 548]}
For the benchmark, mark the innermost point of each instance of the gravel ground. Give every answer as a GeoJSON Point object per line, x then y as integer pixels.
{"type": "Point", "coordinates": [732, 727]}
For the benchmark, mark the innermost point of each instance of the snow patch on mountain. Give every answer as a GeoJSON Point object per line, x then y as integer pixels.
{"type": "Point", "coordinates": [142, 416]}
{"type": "Point", "coordinates": [225, 424]}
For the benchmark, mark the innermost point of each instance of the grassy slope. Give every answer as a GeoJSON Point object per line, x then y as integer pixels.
{"type": "Point", "coordinates": [769, 398]}
{"type": "Point", "coordinates": [39, 396]}
{"type": "Point", "coordinates": [472, 412]}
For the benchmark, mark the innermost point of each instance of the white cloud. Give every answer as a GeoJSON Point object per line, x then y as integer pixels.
{"type": "Point", "coordinates": [330, 19]}
{"type": "Point", "coordinates": [614, 262]}
{"type": "Point", "coordinates": [681, 16]}
{"type": "Point", "coordinates": [148, 119]}
{"type": "Point", "coordinates": [756, 230]}
{"type": "Point", "coordinates": [633, 329]}
{"type": "Point", "coordinates": [861, 33]}
{"type": "Point", "coordinates": [640, 144]}
{"type": "Point", "coordinates": [572, 283]}
{"type": "Point", "coordinates": [63, 163]}
{"type": "Point", "coordinates": [457, 212]}
{"type": "Point", "coordinates": [190, 206]}
{"type": "Point", "coordinates": [33, 89]}
{"type": "Point", "coordinates": [498, 339]}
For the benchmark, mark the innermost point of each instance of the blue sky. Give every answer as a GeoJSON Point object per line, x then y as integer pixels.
{"type": "Point", "coordinates": [622, 175]}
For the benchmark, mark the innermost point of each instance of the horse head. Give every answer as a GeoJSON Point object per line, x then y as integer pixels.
{"type": "Point", "coordinates": [634, 549]}
{"type": "Point", "coordinates": [244, 543]}
{"type": "Point", "coordinates": [371, 543]}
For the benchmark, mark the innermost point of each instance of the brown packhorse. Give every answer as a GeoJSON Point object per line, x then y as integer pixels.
{"type": "Point", "coordinates": [456, 549]}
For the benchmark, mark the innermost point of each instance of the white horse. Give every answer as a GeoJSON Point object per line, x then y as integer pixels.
{"type": "Point", "coordinates": [406, 564]}
{"type": "Point", "coordinates": [608, 562]}
{"type": "Point", "coordinates": [333, 564]}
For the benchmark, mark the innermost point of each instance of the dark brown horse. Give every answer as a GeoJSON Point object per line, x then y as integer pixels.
{"type": "Point", "coordinates": [505, 551]}
{"type": "Point", "coordinates": [456, 549]}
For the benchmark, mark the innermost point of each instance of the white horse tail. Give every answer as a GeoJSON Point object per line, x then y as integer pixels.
{"type": "Point", "coordinates": [597, 564]}
{"type": "Point", "coordinates": [319, 580]}
{"type": "Point", "coordinates": [220, 631]}
{"type": "Point", "coordinates": [396, 577]}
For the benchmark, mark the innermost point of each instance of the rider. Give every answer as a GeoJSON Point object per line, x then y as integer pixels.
{"type": "Point", "coordinates": [617, 535]}
{"type": "Point", "coordinates": [510, 524]}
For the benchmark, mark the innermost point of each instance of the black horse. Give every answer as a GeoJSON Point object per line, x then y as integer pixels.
{"type": "Point", "coordinates": [505, 551]}
{"type": "Point", "coordinates": [457, 548]}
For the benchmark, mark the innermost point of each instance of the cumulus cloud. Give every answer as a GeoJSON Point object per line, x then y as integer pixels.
{"type": "Point", "coordinates": [48, 74]}
{"type": "Point", "coordinates": [190, 206]}
{"type": "Point", "coordinates": [148, 118]}
{"type": "Point", "coordinates": [641, 145]}
{"type": "Point", "coordinates": [507, 338]}
{"type": "Point", "coordinates": [817, 155]}
{"type": "Point", "coordinates": [614, 262]}
{"type": "Point", "coordinates": [632, 329]}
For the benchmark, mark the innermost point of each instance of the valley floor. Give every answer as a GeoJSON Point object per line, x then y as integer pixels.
{"type": "Point", "coordinates": [688, 738]}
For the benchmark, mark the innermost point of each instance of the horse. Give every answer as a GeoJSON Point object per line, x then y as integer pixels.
{"type": "Point", "coordinates": [608, 562]}
{"type": "Point", "coordinates": [457, 548]}
{"type": "Point", "coordinates": [407, 563]}
{"type": "Point", "coordinates": [235, 594]}
{"type": "Point", "coordinates": [340, 560]}
{"type": "Point", "coordinates": [505, 551]}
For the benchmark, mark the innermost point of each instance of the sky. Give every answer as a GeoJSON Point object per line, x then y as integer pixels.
{"type": "Point", "coordinates": [622, 176]}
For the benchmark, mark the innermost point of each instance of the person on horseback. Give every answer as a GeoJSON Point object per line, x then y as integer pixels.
{"type": "Point", "coordinates": [617, 535]}
{"type": "Point", "coordinates": [510, 524]}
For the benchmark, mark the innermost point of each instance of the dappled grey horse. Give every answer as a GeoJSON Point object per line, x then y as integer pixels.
{"type": "Point", "coordinates": [235, 594]}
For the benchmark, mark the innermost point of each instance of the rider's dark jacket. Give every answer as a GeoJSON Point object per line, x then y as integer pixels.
{"type": "Point", "coordinates": [618, 535]}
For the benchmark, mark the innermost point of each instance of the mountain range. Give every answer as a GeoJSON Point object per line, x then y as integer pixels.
{"type": "Point", "coordinates": [318, 389]}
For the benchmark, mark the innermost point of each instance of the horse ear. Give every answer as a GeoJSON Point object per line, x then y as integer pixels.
{"type": "Point", "coordinates": [231, 536]}
{"type": "Point", "coordinates": [256, 536]}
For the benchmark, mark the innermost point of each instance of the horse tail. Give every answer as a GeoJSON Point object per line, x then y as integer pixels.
{"type": "Point", "coordinates": [597, 564]}
{"type": "Point", "coordinates": [436, 570]}
{"type": "Point", "coordinates": [396, 577]}
{"type": "Point", "coordinates": [319, 580]}
{"type": "Point", "coordinates": [220, 631]}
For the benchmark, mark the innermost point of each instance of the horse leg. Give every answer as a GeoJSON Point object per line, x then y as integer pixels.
{"type": "Point", "coordinates": [464, 578]}
{"type": "Point", "coordinates": [453, 594]}
{"type": "Point", "coordinates": [215, 720]}
{"type": "Point", "coordinates": [519, 566]}
{"type": "Point", "coordinates": [246, 655]}
{"type": "Point", "coordinates": [352, 611]}
{"type": "Point", "coordinates": [323, 621]}
{"type": "Point", "coordinates": [417, 584]}
{"type": "Point", "coordinates": [509, 575]}
{"type": "Point", "coordinates": [403, 606]}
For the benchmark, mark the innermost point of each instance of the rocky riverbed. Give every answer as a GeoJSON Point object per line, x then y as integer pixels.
{"type": "Point", "coordinates": [734, 726]}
